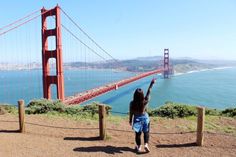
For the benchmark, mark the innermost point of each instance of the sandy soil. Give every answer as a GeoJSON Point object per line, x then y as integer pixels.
{"type": "Point", "coordinates": [59, 137]}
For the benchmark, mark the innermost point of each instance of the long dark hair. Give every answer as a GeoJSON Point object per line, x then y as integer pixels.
{"type": "Point", "coordinates": [139, 101]}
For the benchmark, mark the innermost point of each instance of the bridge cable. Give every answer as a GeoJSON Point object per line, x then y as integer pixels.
{"type": "Point", "coordinates": [25, 17]}
{"type": "Point", "coordinates": [87, 34]}
{"type": "Point", "coordinates": [83, 42]}
{"type": "Point", "coordinates": [27, 21]}
{"type": "Point", "coordinates": [18, 25]}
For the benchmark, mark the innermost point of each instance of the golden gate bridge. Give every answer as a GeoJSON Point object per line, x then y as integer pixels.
{"type": "Point", "coordinates": [52, 49]}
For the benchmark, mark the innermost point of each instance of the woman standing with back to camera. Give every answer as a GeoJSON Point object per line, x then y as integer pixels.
{"type": "Point", "coordinates": [138, 117]}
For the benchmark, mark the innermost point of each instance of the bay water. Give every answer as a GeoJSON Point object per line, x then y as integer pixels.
{"type": "Point", "coordinates": [215, 88]}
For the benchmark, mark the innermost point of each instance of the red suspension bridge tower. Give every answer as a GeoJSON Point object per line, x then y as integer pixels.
{"type": "Point", "coordinates": [48, 79]}
{"type": "Point", "coordinates": [166, 64]}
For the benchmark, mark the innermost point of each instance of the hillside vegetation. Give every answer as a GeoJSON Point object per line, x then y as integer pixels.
{"type": "Point", "coordinates": [169, 109]}
{"type": "Point", "coordinates": [222, 121]}
{"type": "Point", "coordinates": [146, 64]}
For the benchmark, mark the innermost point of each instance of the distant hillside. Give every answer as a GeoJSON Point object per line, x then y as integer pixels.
{"type": "Point", "coordinates": [143, 64]}
{"type": "Point", "coordinates": [183, 66]}
{"type": "Point", "coordinates": [133, 65]}
{"type": "Point", "coordinates": [219, 62]}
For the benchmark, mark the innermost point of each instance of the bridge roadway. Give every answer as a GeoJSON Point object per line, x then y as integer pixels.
{"type": "Point", "coordinates": [92, 93]}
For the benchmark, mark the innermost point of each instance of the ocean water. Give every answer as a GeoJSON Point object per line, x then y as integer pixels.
{"type": "Point", "coordinates": [214, 88]}
{"type": "Point", "coordinates": [210, 88]}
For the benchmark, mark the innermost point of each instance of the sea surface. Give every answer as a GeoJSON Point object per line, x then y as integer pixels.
{"type": "Point", "coordinates": [215, 88]}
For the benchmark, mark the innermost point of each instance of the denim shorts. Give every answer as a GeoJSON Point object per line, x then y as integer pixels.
{"type": "Point", "coordinates": [141, 123]}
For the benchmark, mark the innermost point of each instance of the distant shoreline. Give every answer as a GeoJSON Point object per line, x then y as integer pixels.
{"type": "Point", "coordinates": [177, 71]}
{"type": "Point", "coordinates": [202, 70]}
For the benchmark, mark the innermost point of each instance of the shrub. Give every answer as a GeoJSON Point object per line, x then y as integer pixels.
{"type": "Point", "coordinates": [93, 108]}
{"type": "Point", "coordinates": [230, 112]}
{"type": "Point", "coordinates": [172, 110]}
{"type": "Point", "coordinates": [7, 108]}
{"type": "Point", "coordinates": [73, 110]}
{"type": "Point", "coordinates": [212, 112]}
{"type": "Point", "coordinates": [44, 106]}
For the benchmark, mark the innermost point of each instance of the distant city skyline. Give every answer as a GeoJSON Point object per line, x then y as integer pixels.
{"type": "Point", "coordinates": [196, 29]}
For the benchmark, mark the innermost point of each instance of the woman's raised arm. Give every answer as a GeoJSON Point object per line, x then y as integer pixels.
{"type": "Point", "coordinates": [149, 89]}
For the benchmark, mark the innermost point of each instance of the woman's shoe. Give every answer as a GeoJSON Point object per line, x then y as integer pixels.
{"type": "Point", "coordinates": [146, 148]}
{"type": "Point", "coordinates": [138, 149]}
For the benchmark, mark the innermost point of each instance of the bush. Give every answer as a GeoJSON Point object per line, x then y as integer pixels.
{"type": "Point", "coordinates": [73, 110]}
{"type": "Point", "coordinates": [173, 110]}
{"type": "Point", "coordinates": [91, 109]}
{"type": "Point", "coordinates": [7, 108]}
{"type": "Point", "coordinates": [212, 112]}
{"type": "Point", "coordinates": [44, 106]}
{"type": "Point", "coordinates": [230, 112]}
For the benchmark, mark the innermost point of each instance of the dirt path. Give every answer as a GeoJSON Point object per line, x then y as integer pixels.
{"type": "Point", "coordinates": [51, 137]}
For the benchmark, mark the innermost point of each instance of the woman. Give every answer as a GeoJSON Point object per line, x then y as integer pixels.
{"type": "Point", "coordinates": [139, 116]}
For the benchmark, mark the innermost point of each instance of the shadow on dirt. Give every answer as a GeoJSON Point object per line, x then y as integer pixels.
{"type": "Point", "coordinates": [105, 149]}
{"type": "Point", "coordinates": [9, 131]}
{"type": "Point", "coordinates": [82, 138]}
{"type": "Point", "coordinates": [176, 145]}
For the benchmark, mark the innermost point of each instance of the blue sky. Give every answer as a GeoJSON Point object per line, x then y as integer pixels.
{"type": "Point", "coordinates": [203, 29]}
